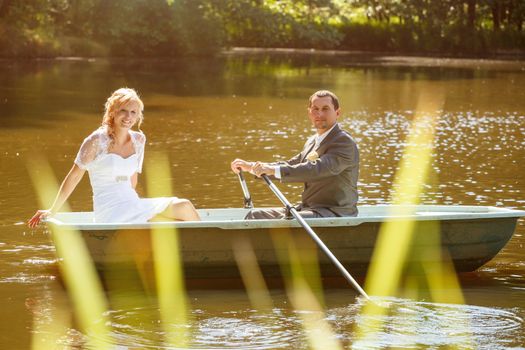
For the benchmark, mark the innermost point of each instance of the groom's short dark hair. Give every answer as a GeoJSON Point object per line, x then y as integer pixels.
{"type": "Point", "coordinates": [324, 93]}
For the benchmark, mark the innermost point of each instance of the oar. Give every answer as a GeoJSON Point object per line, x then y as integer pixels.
{"type": "Point", "coordinates": [314, 236]}
{"type": "Point", "coordinates": [248, 204]}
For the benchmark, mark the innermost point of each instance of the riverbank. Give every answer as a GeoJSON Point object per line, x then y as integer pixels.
{"type": "Point", "coordinates": [503, 61]}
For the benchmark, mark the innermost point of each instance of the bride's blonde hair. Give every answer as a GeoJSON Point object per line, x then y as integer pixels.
{"type": "Point", "coordinates": [113, 104]}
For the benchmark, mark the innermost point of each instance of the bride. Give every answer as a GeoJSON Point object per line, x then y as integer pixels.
{"type": "Point", "coordinates": [113, 156]}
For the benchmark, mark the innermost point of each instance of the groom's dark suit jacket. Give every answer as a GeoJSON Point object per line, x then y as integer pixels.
{"type": "Point", "coordinates": [330, 182]}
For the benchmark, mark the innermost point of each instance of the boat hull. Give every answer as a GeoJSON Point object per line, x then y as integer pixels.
{"type": "Point", "coordinates": [209, 252]}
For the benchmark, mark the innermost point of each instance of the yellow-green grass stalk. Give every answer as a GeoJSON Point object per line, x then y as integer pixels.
{"type": "Point", "coordinates": [431, 276]}
{"type": "Point", "coordinates": [298, 266]}
{"type": "Point", "coordinates": [396, 236]}
{"type": "Point", "coordinates": [50, 321]}
{"type": "Point", "coordinates": [307, 255]}
{"type": "Point", "coordinates": [169, 274]}
{"type": "Point", "coordinates": [251, 274]}
{"type": "Point", "coordinates": [76, 266]}
{"type": "Point", "coordinates": [438, 268]}
{"type": "Point", "coordinates": [442, 281]}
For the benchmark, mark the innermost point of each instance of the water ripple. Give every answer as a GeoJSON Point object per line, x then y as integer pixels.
{"type": "Point", "coordinates": [406, 324]}
{"type": "Point", "coordinates": [409, 324]}
{"type": "Point", "coordinates": [244, 329]}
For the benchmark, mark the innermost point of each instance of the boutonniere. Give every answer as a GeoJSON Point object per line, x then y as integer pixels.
{"type": "Point", "coordinates": [312, 156]}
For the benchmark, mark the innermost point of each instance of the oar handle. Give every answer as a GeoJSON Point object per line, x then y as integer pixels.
{"type": "Point", "coordinates": [248, 204]}
{"type": "Point", "coordinates": [314, 236]}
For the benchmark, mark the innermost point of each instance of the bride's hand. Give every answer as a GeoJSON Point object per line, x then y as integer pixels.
{"type": "Point", "coordinates": [38, 217]}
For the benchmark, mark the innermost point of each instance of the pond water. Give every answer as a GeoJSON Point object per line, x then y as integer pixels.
{"type": "Point", "coordinates": [203, 113]}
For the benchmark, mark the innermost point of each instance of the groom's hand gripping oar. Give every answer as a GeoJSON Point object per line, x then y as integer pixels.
{"type": "Point", "coordinates": [314, 236]}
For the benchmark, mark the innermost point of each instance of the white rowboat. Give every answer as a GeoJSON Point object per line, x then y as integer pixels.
{"type": "Point", "coordinates": [472, 235]}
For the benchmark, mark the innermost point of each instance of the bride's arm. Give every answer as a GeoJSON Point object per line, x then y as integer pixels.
{"type": "Point", "coordinates": [66, 188]}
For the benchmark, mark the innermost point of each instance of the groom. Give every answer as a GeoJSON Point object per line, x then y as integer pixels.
{"type": "Point", "coordinates": [328, 165]}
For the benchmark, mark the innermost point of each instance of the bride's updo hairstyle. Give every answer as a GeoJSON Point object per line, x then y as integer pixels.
{"type": "Point", "coordinates": [113, 105]}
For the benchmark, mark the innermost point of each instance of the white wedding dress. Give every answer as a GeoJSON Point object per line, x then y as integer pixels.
{"type": "Point", "coordinates": [114, 198]}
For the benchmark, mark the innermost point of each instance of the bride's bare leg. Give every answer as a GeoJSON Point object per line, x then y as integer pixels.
{"type": "Point", "coordinates": [181, 209]}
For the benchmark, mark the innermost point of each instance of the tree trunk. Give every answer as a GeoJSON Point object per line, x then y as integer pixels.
{"type": "Point", "coordinates": [496, 15]}
{"type": "Point", "coordinates": [4, 7]}
{"type": "Point", "coordinates": [516, 11]}
{"type": "Point", "coordinates": [471, 14]}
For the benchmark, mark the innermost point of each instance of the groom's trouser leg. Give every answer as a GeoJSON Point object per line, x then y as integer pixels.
{"type": "Point", "coordinates": [256, 214]}
{"type": "Point", "coordinates": [280, 213]}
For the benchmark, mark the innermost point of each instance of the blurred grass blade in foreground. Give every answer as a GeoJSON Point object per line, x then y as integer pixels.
{"type": "Point", "coordinates": [169, 272]}
{"type": "Point", "coordinates": [395, 236]}
{"type": "Point", "coordinates": [395, 243]}
{"type": "Point", "coordinates": [300, 270]}
{"type": "Point", "coordinates": [51, 318]}
{"type": "Point", "coordinates": [251, 274]}
{"type": "Point", "coordinates": [76, 265]}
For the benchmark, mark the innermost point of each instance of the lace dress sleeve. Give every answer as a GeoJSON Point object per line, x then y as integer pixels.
{"type": "Point", "coordinates": [140, 143]}
{"type": "Point", "coordinates": [89, 150]}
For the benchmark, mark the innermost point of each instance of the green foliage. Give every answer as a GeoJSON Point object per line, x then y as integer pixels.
{"type": "Point", "coordinates": [450, 26]}
{"type": "Point", "coordinates": [36, 28]}
{"type": "Point", "coordinates": [21, 24]}
{"type": "Point", "coordinates": [277, 23]}
{"type": "Point", "coordinates": [378, 37]}
{"type": "Point", "coordinates": [156, 27]}
{"type": "Point", "coordinates": [100, 27]}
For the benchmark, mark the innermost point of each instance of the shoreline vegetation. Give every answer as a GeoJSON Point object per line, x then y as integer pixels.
{"type": "Point", "coordinates": [178, 28]}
